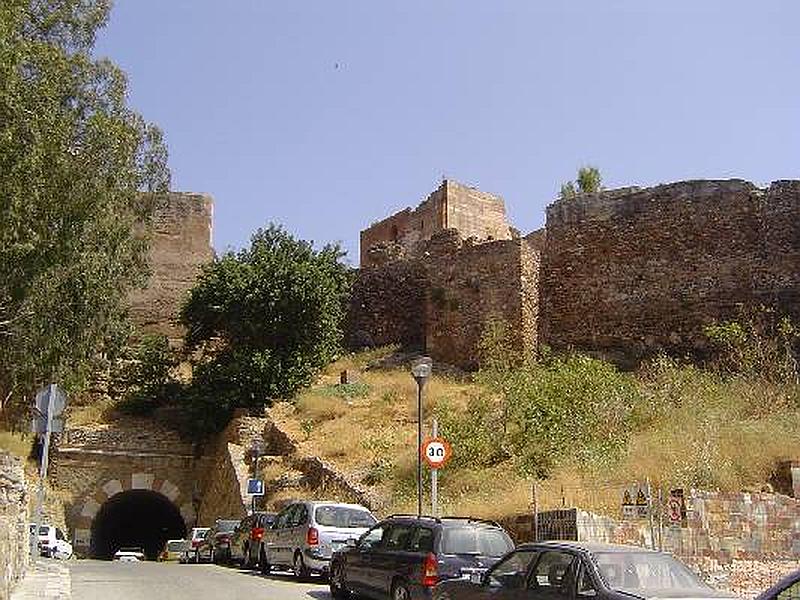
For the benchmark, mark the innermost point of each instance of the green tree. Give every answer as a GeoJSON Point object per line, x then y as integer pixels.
{"type": "Point", "coordinates": [73, 161]}
{"type": "Point", "coordinates": [265, 320]}
{"type": "Point", "coordinates": [589, 181]}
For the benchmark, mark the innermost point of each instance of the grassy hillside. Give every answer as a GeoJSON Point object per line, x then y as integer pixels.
{"type": "Point", "coordinates": [579, 423]}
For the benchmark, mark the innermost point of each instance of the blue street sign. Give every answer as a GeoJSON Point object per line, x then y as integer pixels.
{"type": "Point", "coordinates": [255, 487]}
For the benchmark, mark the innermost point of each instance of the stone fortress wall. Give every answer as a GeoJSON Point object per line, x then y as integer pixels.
{"type": "Point", "coordinates": [622, 273]}
{"type": "Point", "coordinates": [180, 244]}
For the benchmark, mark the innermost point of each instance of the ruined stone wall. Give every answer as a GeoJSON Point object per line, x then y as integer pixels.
{"type": "Point", "coordinates": [14, 549]}
{"type": "Point", "coordinates": [472, 285]}
{"type": "Point", "coordinates": [474, 213]}
{"type": "Point", "coordinates": [180, 243]}
{"type": "Point", "coordinates": [451, 206]}
{"type": "Point", "coordinates": [387, 306]}
{"type": "Point", "coordinates": [633, 272]}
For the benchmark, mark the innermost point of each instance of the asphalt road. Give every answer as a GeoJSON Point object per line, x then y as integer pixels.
{"type": "Point", "coordinates": [103, 580]}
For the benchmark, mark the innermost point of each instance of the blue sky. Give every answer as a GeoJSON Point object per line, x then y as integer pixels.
{"type": "Point", "coordinates": [327, 115]}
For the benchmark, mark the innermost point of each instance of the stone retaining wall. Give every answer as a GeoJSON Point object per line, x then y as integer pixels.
{"type": "Point", "coordinates": [14, 549]}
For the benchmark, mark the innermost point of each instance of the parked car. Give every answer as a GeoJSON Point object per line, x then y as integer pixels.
{"type": "Point", "coordinates": [787, 588]}
{"type": "Point", "coordinates": [574, 570]}
{"type": "Point", "coordinates": [221, 535]}
{"type": "Point", "coordinates": [204, 548]}
{"type": "Point", "coordinates": [52, 542]}
{"type": "Point", "coordinates": [306, 534]}
{"type": "Point", "coordinates": [129, 555]}
{"type": "Point", "coordinates": [173, 550]}
{"type": "Point", "coordinates": [404, 557]}
{"type": "Point", "coordinates": [247, 542]}
{"type": "Point", "coordinates": [195, 537]}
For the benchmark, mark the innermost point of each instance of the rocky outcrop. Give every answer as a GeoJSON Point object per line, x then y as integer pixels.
{"type": "Point", "coordinates": [14, 551]}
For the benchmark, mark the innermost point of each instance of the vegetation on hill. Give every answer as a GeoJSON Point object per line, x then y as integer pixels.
{"type": "Point", "coordinates": [73, 161]}
{"type": "Point", "coordinates": [576, 424]}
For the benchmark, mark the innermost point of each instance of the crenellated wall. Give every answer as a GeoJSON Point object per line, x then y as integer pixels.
{"type": "Point", "coordinates": [630, 272]}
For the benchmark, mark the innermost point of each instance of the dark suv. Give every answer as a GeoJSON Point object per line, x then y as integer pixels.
{"type": "Point", "coordinates": [404, 557]}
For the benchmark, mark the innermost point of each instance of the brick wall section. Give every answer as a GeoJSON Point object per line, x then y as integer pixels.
{"type": "Point", "coordinates": [474, 213]}
{"type": "Point", "coordinates": [387, 306]}
{"type": "Point", "coordinates": [14, 549]}
{"type": "Point", "coordinates": [471, 212]}
{"type": "Point", "coordinates": [472, 285]}
{"type": "Point", "coordinates": [180, 244]}
{"type": "Point", "coordinates": [441, 299]}
{"type": "Point", "coordinates": [632, 272]}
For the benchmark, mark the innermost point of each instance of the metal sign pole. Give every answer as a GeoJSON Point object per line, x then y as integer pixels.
{"type": "Point", "coordinates": [419, 448]}
{"type": "Point", "coordinates": [435, 477]}
{"type": "Point", "coordinates": [51, 395]}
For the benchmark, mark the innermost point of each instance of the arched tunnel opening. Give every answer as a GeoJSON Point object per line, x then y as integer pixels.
{"type": "Point", "coordinates": [135, 519]}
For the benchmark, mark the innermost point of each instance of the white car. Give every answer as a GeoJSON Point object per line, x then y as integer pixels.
{"type": "Point", "coordinates": [129, 555]}
{"type": "Point", "coordinates": [52, 542]}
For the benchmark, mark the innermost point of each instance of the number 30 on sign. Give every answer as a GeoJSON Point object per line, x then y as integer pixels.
{"type": "Point", "coordinates": [436, 452]}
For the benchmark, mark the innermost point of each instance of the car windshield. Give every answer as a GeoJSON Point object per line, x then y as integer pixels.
{"type": "Point", "coordinates": [647, 574]}
{"type": "Point", "coordinates": [226, 526]}
{"type": "Point", "coordinates": [198, 533]}
{"type": "Point", "coordinates": [345, 517]}
{"type": "Point", "coordinates": [481, 541]}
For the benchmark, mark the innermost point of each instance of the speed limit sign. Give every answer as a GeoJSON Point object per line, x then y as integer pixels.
{"type": "Point", "coordinates": [436, 452]}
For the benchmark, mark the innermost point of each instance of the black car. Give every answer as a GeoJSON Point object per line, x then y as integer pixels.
{"type": "Point", "coordinates": [787, 588]}
{"type": "Point", "coordinates": [574, 570]}
{"type": "Point", "coordinates": [404, 557]}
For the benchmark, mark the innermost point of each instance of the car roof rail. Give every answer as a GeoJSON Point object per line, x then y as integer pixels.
{"type": "Point", "coordinates": [473, 520]}
{"type": "Point", "coordinates": [413, 516]}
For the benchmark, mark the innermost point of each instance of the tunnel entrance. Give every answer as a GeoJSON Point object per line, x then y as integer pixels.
{"type": "Point", "coordinates": [135, 518]}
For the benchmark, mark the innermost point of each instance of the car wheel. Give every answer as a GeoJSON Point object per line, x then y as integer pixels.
{"type": "Point", "coordinates": [400, 591]}
{"type": "Point", "coordinates": [337, 584]}
{"type": "Point", "coordinates": [263, 563]}
{"type": "Point", "coordinates": [299, 567]}
{"type": "Point", "coordinates": [197, 557]}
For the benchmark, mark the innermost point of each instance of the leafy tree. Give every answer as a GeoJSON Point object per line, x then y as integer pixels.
{"type": "Point", "coordinates": [73, 159]}
{"type": "Point", "coordinates": [589, 181]}
{"type": "Point", "coordinates": [144, 379]}
{"type": "Point", "coordinates": [264, 320]}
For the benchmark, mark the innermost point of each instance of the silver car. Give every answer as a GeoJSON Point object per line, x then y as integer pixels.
{"type": "Point", "coordinates": [306, 534]}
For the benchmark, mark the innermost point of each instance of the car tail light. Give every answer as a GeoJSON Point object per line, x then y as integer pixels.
{"type": "Point", "coordinates": [195, 543]}
{"type": "Point", "coordinates": [312, 537]}
{"type": "Point", "coordinates": [430, 571]}
{"type": "Point", "coordinates": [256, 534]}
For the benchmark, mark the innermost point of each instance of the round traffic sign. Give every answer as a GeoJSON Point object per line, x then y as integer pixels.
{"type": "Point", "coordinates": [436, 452]}
{"type": "Point", "coordinates": [674, 510]}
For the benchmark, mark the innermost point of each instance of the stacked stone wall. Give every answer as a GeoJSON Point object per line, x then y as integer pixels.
{"type": "Point", "coordinates": [471, 285]}
{"type": "Point", "coordinates": [14, 549]}
{"type": "Point", "coordinates": [474, 213]}
{"type": "Point", "coordinates": [180, 242]}
{"type": "Point", "coordinates": [387, 306]}
{"type": "Point", "coordinates": [630, 273]}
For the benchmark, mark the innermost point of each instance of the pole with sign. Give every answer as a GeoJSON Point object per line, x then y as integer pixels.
{"type": "Point", "coordinates": [50, 405]}
{"type": "Point", "coordinates": [436, 452]}
{"type": "Point", "coordinates": [421, 370]}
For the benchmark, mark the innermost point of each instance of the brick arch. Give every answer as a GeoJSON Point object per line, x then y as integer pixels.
{"type": "Point", "coordinates": [136, 481]}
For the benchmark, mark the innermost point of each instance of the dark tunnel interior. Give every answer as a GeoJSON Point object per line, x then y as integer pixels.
{"type": "Point", "coordinates": [135, 518]}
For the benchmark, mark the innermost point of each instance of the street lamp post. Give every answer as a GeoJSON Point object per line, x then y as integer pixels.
{"type": "Point", "coordinates": [421, 370]}
{"type": "Point", "coordinates": [257, 449]}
